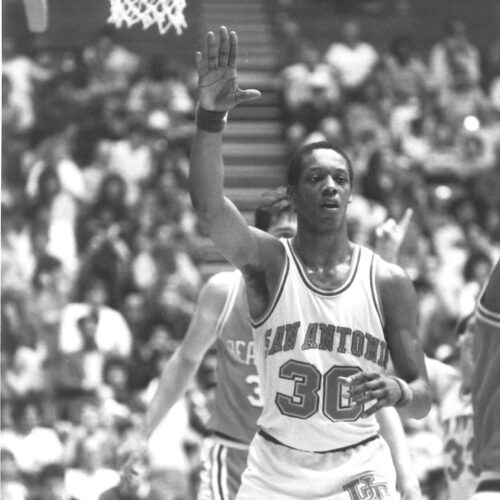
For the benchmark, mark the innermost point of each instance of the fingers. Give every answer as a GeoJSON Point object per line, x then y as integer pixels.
{"type": "Point", "coordinates": [373, 409]}
{"type": "Point", "coordinates": [218, 53]}
{"type": "Point", "coordinates": [233, 49]}
{"type": "Point", "coordinates": [405, 221]}
{"type": "Point", "coordinates": [223, 46]}
{"type": "Point", "coordinates": [212, 50]}
{"type": "Point", "coordinates": [247, 95]}
{"type": "Point", "coordinates": [200, 63]}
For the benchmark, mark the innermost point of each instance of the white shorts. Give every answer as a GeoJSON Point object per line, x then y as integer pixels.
{"type": "Point", "coordinates": [277, 472]}
{"type": "Point", "coordinates": [223, 466]}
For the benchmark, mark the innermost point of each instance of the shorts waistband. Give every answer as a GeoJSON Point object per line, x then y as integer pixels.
{"type": "Point", "coordinates": [272, 439]}
{"type": "Point", "coordinates": [228, 441]}
{"type": "Point", "coordinates": [488, 485]}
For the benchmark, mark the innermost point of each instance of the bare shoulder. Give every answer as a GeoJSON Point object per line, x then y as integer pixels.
{"type": "Point", "coordinates": [393, 279]}
{"type": "Point", "coordinates": [396, 290]}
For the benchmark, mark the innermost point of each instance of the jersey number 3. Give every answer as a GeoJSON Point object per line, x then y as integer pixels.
{"type": "Point", "coordinates": [304, 402]}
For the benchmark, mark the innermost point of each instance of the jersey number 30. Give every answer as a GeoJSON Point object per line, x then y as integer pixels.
{"type": "Point", "coordinates": [304, 402]}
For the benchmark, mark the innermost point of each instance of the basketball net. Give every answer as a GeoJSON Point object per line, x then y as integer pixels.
{"type": "Point", "coordinates": [165, 13]}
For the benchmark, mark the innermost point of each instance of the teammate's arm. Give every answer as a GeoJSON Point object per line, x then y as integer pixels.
{"type": "Point", "coordinates": [181, 367]}
{"type": "Point", "coordinates": [393, 432]}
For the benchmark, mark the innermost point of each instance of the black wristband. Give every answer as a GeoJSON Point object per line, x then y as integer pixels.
{"type": "Point", "coordinates": [210, 121]}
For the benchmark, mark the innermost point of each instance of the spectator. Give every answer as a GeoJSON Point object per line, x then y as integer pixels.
{"type": "Point", "coordinates": [32, 445]}
{"type": "Point", "coordinates": [51, 483]}
{"type": "Point", "coordinates": [89, 478]}
{"type": "Point", "coordinates": [352, 61]}
{"type": "Point", "coordinates": [309, 88]}
{"type": "Point", "coordinates": [454, 55]}
{"type": "Point", "coordinates": [111, 66]}
{"type": "Point", "coordinates": [55, 211]}
{"type": "Point", "coordinates": [12, 486]}
{"type": "Point", "coordinates": [131, 159]}
{"type": "Point", "coordinates": [24, 74]}
{"type": "Point", "coordinates": [404, 74]}
{"type": "Point", "coordinates": [112, 335]}
{"type": "Point", "coordinates": [109, 211]}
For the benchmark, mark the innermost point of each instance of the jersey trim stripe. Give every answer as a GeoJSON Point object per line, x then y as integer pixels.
{"type": "Point", "coordinates": [228, 306]}
{"type": "Point", "coordinates": [487, 316]}
{"type": "Point", "coordinates": [336, 291]}
{"type": "Point", "coordinates": [374, 290]}
{"type": "Point", "coordinates": [260, 321]}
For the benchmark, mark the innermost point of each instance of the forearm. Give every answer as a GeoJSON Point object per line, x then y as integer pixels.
{"type": "Point", "coordinates": [392, 431]}
{"type": "Point", "coordinates": [418, 400]}
{"type": "Point", "coordinates": [175, 379]}
{"type": "Point", "coordinates": [206, 174]}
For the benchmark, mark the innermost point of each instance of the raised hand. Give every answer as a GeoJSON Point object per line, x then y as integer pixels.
{"type": "Point", "coordinates": [217, 86]}
{"type": "Point", "coordinates": [390, 235]}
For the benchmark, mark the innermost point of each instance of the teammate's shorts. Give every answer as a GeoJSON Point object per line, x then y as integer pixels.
{"type": "Point", "coordinates": [277, 472]}
{"type": "Point", "coordinates": [223, 466]}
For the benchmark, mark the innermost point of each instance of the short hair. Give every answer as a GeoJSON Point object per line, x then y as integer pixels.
{"type": "Point", "coordinates": [274, 203]}
{"type": "Point", "coordinates": [296, 165]}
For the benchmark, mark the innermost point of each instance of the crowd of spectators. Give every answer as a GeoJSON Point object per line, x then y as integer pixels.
{"type": "Point", "coordinates": [100, 269]}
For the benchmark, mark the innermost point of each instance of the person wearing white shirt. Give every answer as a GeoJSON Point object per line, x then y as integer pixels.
{"type": "Point", "coordinates": [352, 60]}
{"type": "Point", "coordinates": [112, 334]}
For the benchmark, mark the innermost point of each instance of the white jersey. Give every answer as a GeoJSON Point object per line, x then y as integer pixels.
{"type": "Point", "coordinates": [308, 338]}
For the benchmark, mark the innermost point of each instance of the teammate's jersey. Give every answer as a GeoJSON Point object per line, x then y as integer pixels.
{"type": "Point", "coordinates": [456, 418]}
{"type": "Point", "coordinates": [307, 339]}
{"type": "Point", "coordinates": [486, 382]}
{"type": "Point", "coordinates": [238, 402]}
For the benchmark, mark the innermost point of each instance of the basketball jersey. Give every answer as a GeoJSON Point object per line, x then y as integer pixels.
{"type": "Point", "coordinates": [238, 401]}
{"type": "Point", "coordinates": [486, 386]}
{"type": "Point", "coordinates": [307, 339]}
{"type": "Point", "coordinates": [456, 418]}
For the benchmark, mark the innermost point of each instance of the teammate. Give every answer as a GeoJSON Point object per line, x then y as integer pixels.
{"type": "Point", "coordinates": [325, 312]}
{"type": "Point", "coordinates": [222, 317]}
{"type": "Point", "coordinates": [486, 389]}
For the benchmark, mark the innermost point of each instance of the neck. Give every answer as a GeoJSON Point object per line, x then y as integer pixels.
{"type": "Point", "coordinates": [322, 250]}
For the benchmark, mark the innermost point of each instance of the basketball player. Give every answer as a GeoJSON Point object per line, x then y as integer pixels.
{"type": "Point", "coordinates": [222, 317]}
{"type": "Point", "coordinates": [486, 389]}
{"type": "Point", "coordinates": [325, 315]}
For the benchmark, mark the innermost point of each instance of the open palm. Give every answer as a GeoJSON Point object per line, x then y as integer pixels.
{"type": "Point", "coordinates": [217, 84]}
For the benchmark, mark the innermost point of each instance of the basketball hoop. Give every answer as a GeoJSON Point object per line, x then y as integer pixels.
{"type": "Point", "coordinates": [165, 13]}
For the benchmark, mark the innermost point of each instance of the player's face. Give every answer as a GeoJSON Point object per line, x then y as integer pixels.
{"type": "Point", "coordinates": [284, 225]}
{"type": "Point", "coordinates": [323, 191]}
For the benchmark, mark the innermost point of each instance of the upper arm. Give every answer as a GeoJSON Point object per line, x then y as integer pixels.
{"type": "Point", "coordinates": [242, 245]}
{"type": "Point", "coordinates": [202, 330]}
{"type": "Point", "coordinates": [399, 303]}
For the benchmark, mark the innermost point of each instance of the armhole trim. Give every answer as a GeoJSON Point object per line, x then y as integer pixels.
{"type": "Point", "coordinates": [257, 322]}
{"type": "Point", "coordinates": [488, 316]}
{"type": "Point", "coordinates": [375, 291]}
{"type": "Point", "coordinates": [229, 303]}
